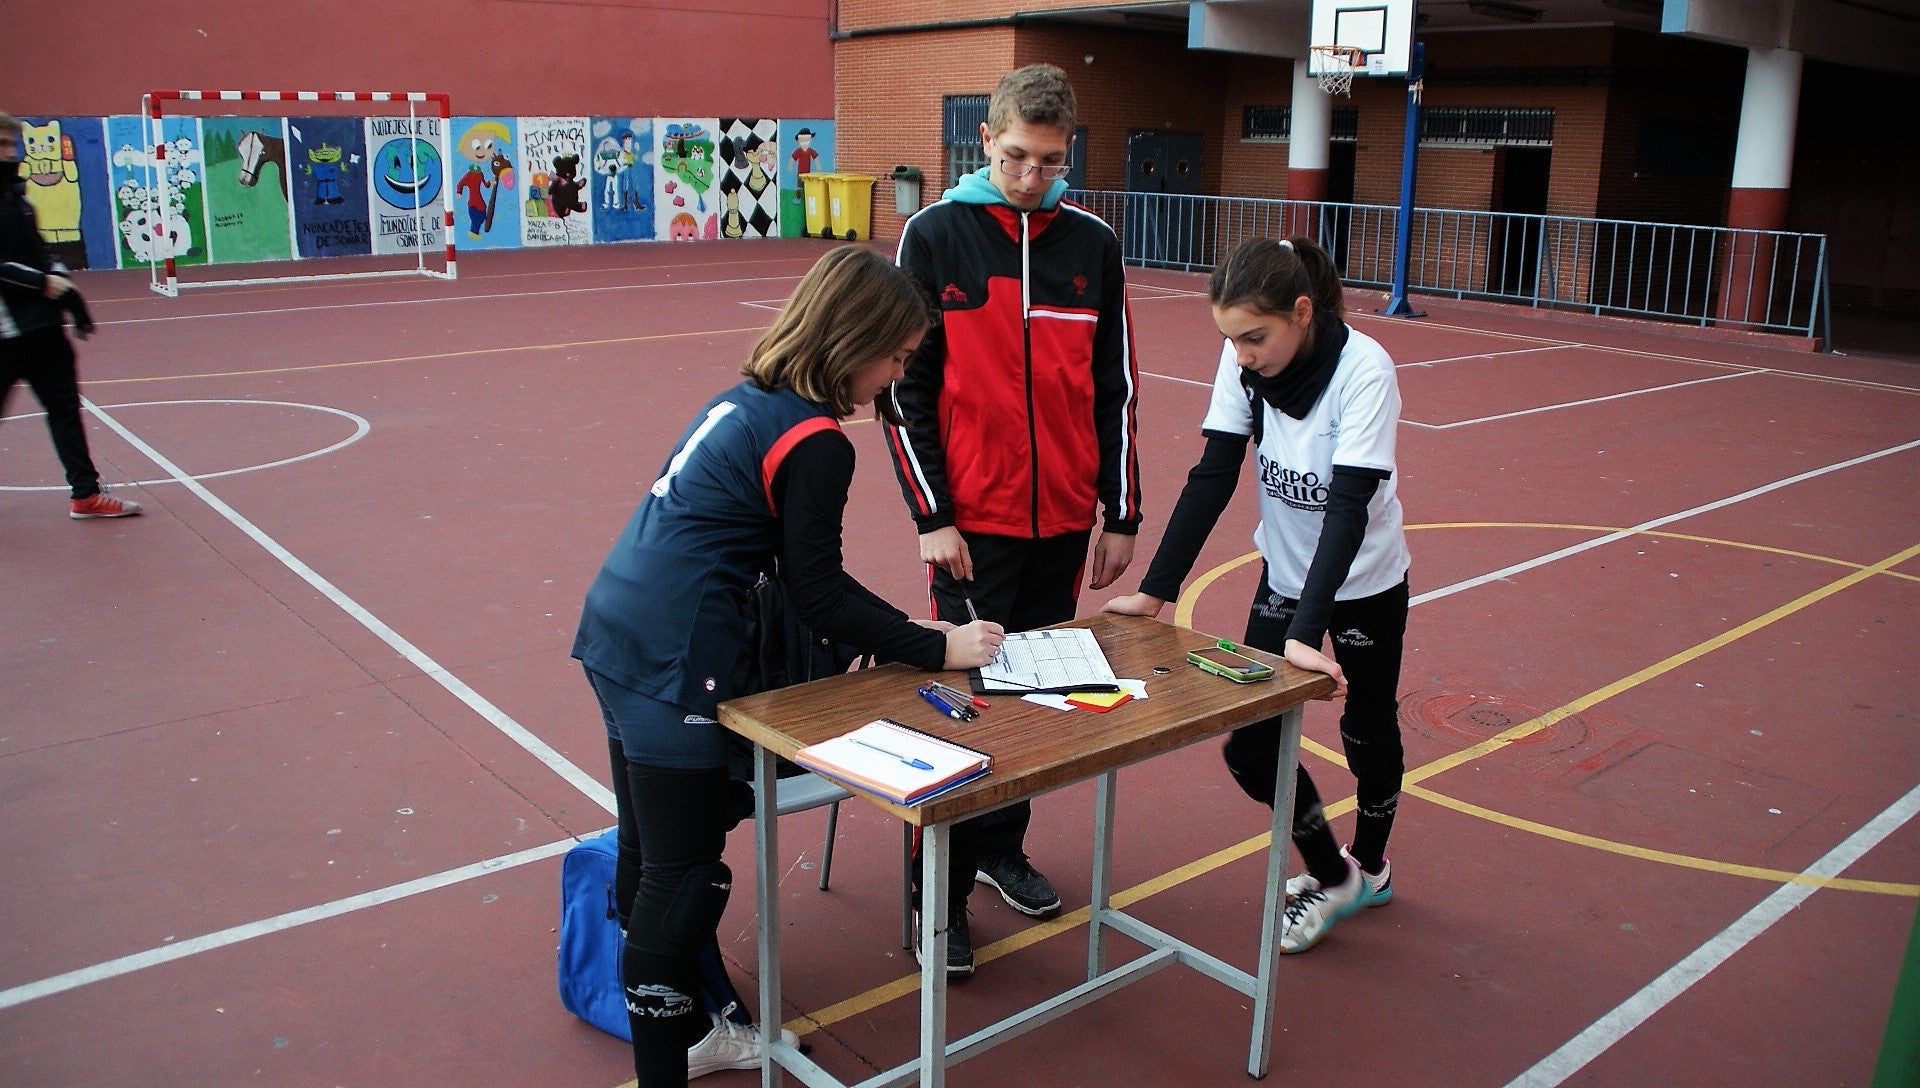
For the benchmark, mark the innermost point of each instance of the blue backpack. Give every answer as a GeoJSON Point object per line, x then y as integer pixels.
{"type": "Point", "coordinates": [590, 942]}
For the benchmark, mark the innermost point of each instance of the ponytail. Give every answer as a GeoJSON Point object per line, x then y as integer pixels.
{"type": "Point", "coordinates": [1268, 275]}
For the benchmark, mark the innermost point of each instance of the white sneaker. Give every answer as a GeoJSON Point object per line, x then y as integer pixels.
{"type": "Point", "coordinates": [729, 1045]}
{"type": "Point", "coordinates": [1313, 912]}
{"type": "Point", "coordinates": [1379, 885]}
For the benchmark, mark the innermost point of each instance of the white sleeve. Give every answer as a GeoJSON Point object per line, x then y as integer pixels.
{"type": "Point", "coordinates": [1229, 412]}
{"type": "Point", "coordinates": [1369, 416]}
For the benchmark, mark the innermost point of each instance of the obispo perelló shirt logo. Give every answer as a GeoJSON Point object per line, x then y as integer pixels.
{"type": "Point", "coordinates": [1300, 490]}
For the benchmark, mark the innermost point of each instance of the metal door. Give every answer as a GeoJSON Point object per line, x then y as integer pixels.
{"type": "Point", "coordinates": [1161, 228]}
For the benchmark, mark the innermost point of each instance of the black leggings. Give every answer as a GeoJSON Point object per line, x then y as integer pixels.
{"type": "Point", "coordinates": [1369, 636]}
{"type": "Point", "coordinates": [672, 888]}
{"type": "Point", "coordinates": [44, 358]}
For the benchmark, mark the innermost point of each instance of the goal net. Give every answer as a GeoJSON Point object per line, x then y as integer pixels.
{"type": "Point", "coordinates": [358, 181]}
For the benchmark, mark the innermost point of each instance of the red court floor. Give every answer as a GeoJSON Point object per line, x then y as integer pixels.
{"type": "Point", "coordinates": [287, 765]}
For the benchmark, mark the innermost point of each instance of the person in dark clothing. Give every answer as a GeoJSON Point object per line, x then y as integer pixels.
{"type": "Point", "coordinates": [1322, 405]}
{"type": "Point", "coordinates": [761, 474]}
{"type": "Point", "coordinates": [36, 299]}
{"type": "Point", "coordinates": [1020, 419]}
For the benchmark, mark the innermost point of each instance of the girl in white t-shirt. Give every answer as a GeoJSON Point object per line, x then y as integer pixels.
{"type": "Point", "coordinates": [1322, 406]}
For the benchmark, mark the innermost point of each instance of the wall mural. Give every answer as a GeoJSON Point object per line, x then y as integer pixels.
{"type": "Point", "coordinates": [687, 188]}
{"type": "Point", "coordinates": [249, 194]}
{"type": "Point", "coordinates": [246, 189]}
{"type": "Point", "coordinates": [65, 171]}
{"type": "Point", "coordinates": [327, 157]}
{"type": "Point", "coordinates": [749, 157]}
{"type": "Point", "coordinates": [808, 147]}
{"type": "Point", "coordinates": [154, 225]}
{"type": "Point", "coordinates": [405, 174]}
{"type": "Point", "coordinates": [622, 192]}
{"type": "Point", "coordinates": [553, 158]}
{"type": "Point", "coordinates": [487, 186]}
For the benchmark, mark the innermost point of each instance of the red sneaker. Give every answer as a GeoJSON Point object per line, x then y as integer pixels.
{"type": "Point", "coordinates": [102, 505]}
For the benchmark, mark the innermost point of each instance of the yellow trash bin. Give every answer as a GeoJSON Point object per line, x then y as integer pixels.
{"type": "Point", "coordinates": [850, 206]}
{"type": "Point", "coordinates": [813, 191]}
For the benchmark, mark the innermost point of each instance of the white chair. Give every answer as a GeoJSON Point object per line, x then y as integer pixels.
{"type": "Point", "coordinates": [804, 791]}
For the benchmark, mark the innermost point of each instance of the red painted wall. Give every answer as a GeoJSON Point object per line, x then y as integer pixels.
{"type": "Point", "coordinates": [752, 58]}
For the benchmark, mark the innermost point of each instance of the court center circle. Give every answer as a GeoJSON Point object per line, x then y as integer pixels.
{"type": "Point", "coordinates": [361, 428]}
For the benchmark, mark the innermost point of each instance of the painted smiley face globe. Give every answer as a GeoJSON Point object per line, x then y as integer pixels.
{"type": "Point", "coordinates": [408, 174]}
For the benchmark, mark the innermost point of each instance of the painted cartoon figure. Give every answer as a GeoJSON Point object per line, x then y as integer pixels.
{"type": "Point", "coordinates": [760, 156]}
{"type": "Point", "coordinates": [483, 146]}
{"type": "Point", "coordinates": [629, 180]}
{"type": "Point", "coordinates": [606, 161]}
{"type": "Point", "coordinates": [563, 189]}
{"type": "Point", "coordinates": [684, 228]}
{"type": "Point", "coordinates": [537, 195]}
{"type": "Point", "coordinates": [687, 153]}
{"type": "Point", "coordinates": [732, 225]}
{"type": "Point", "coordinates": [804, 156]}
{"type": "Point", "coordinates": [502, 168]}
{"type": "Point", "coordinates": [323, 163]}
{"type": "Point", "coordinates": [53, 181]}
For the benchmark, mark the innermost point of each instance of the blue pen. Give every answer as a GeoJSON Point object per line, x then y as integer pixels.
{"type": "Point", "coordinates": [916, 764]}
{"type": "Point", "coordinates": [941, 704]}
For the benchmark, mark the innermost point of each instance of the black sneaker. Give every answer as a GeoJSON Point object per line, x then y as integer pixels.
{"type": "Point", "coordinates": [959, 943]}
{"type": "Point", "coordinates": [1020, 884]}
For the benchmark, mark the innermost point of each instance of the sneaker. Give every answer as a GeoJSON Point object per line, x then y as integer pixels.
{"type": "Point", "coordinates": [729, 1045]}
{"type": "Point", "coordinates": [959, 943]}
{"type": "Point", "coordinates": [1379, 886]}
{"type": "Point", "coordinates": [1020, 884]}
{"type": "Point", "coordinates": [102, 505]}
{"type": "Point", "coordinates": [1313, 912]}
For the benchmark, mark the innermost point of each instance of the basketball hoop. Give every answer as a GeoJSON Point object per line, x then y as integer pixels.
{"type": "Point", "coordinates": [1337, 65]}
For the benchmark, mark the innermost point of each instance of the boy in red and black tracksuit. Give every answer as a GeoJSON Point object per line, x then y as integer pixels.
{"type": "Point", "coordinates": [1020, 410]}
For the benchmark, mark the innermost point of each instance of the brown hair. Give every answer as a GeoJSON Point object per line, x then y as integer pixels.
{"type": "Point", "coordinates": [1268, 275]}
{"type": "Point", "coordinates": [1038, 94]}
{"type": "Point", "coordinates": [852, 307]}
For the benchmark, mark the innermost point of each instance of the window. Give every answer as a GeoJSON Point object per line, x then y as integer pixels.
{"type": "Point", "coordinates": [1273, 124]}
{"type": "Point", "coordinates": [1487, 126]}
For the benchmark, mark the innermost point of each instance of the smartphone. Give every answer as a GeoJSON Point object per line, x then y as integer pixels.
{"type": "Point", "coordinates": [1224, 662]}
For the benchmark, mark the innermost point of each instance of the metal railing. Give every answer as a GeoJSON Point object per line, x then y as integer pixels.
{"type": "Point", "coordinates": [1770, 281]}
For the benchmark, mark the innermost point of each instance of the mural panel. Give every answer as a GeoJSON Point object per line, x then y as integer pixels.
{"type": "Point", "coordinates": [622, 191]}
{"type": "Point", "coordinates": [153, 226]}
{"type": "Point", "coordinates": [749, 149]}
{"type": "Point", "coordinates": [486, 196]}
{"type": "Point", "coordinates": [249, 195]}
{"type": "Point", "coordinates": [809, 150]}
{"type": "Point", "coordinates": [686, 197]}
{"type": "Point", "coordinates": [553, 156]}
{"type": "Point", "coordinates": [328, 156]}
{"type": "Point", "coordinates": [405, 174]}
{"type": "Point", "coordinates": [65, 170]}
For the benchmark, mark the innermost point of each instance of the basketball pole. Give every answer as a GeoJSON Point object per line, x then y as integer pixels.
{"type": "Point", "coordinates": [1398, 306]}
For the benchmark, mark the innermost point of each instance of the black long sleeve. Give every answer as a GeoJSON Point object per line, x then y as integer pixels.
{"type": "Point", "coordinates": [810, 491]}
{"type": "Point", "coordinates": [1342, 529]}
{"type": "Point", "coordinates": [1208, 490]}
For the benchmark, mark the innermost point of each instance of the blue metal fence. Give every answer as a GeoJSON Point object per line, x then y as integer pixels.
{"type": "Point", "coordinates": [1770, 281]}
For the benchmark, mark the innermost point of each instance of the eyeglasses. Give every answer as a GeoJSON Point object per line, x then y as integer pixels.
{"type": "Point", "coordinates": [1021, 169]}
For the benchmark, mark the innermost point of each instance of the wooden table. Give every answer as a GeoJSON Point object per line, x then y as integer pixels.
{"type": "Point", "coordinates": [1034, 749]}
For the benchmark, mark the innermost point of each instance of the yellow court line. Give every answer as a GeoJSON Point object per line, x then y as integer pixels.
{"type": "Point", "coordinates": [430, 358]}
{"type": "Point", "coordinates": [886, 992]}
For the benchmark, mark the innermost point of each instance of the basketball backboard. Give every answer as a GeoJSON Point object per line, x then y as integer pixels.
{"type": "Point", "coordinates": [1381, 29]}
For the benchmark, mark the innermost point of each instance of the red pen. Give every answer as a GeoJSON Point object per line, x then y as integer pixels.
{"type": "Point", "coordinates": [963, 696]}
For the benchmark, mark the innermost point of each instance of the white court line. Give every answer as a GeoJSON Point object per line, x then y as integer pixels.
{"type": "Point", "coordinates": [1582, 403]}
{"type": "Point", "coordinates": [1486, 355]}
{"type": "Point", "coordinates": [1526, 565]}
{"type": "Point", "coordinates": [1563, 1063]}
{"type": "Point", "coordinates": [153, 957]}
{"type": "Point", "coordinates": [536, 747]}
{"type": "Point", "coordinates": [451, 298]}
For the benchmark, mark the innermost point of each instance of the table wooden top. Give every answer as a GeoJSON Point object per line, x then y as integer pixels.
{"type": "Point", "coordinates": [1034, 748]}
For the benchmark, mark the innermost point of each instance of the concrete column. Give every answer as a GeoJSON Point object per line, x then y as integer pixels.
{"type": "Point", "coordinates": [1308, 149]}
{"type": "Point", "coordinates": [1762, 177]}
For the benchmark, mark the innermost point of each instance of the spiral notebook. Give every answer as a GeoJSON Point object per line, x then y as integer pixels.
{"type": "Point", "coordinates": [894, 761]}
{"type": "Point", "coordinates": [1058, 660]}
